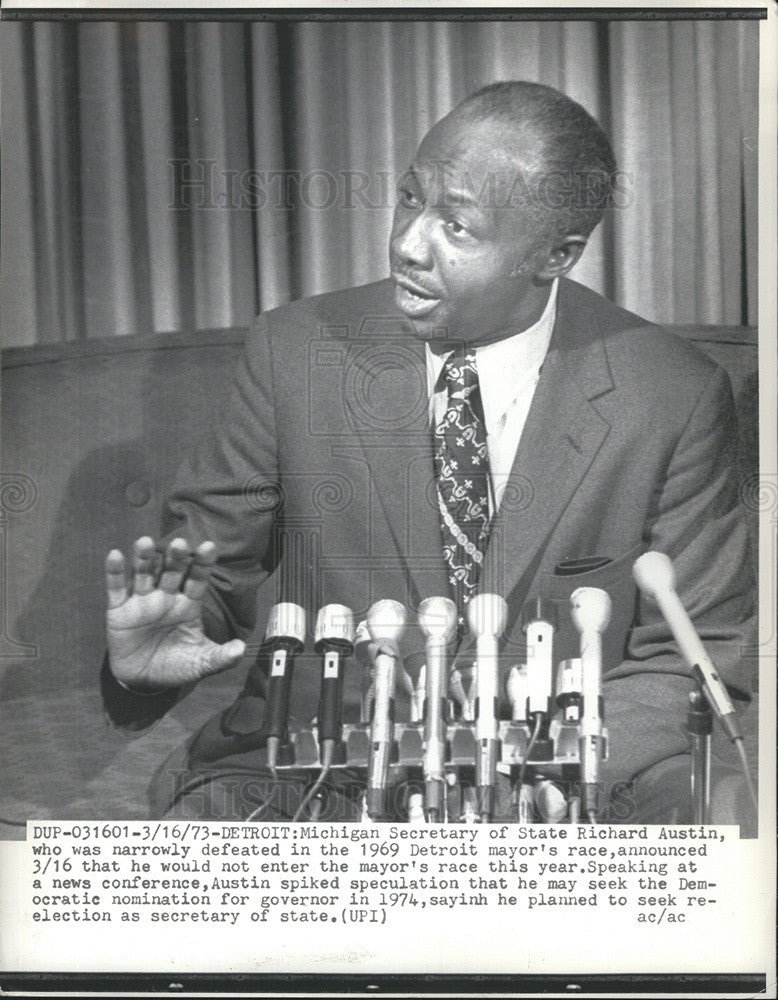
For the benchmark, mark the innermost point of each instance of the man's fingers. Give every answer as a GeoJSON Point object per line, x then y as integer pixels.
{"type": "Point", "coordinates": [144, 557]}
{"type": "Point", "coordinates": [175, 566]}
{"type": "Point", "coordinates": [226, 655]}
{"type": "Point", "coordinates": [115, 582]}
{"type": "Point", "coordinates": [203, 561]}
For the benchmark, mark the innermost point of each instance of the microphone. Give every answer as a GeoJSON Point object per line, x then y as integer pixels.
{"type": "Point", "coordinates": [516, 688]}
{"type": "Point", "coordinates": [385, 624]}
{"type": "Point", "coordinates": [568, 689]}
{"type": "Point", "coordinates": [334, 640]}
{"type": "Point", "coordinates": [457, 692]}
{"type": "Point", "coordinates": [437, 617]}
{"type": "Point", "coordinates": [486, 615]}
{"type": "Point", "coordinates": [538, 621]}
{"type": "Point", "coordinates": [364, 657]}
{"type": "Point", "coordinates": [550, 801]}
{"type": "Point", "coordinates": [417, 696]}
{"type": "Point", "coordinates": [654, 574]}
{"type": "Point", "coordinates": [591, 613]}
{"type": "Point", "coordinates": [285, 634]}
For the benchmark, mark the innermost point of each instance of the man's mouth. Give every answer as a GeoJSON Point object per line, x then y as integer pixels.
{"type": "Point", "coordinates": [413, 299]}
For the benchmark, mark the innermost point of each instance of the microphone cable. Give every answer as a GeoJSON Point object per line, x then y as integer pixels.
{"type": "Point", "coordinates": [530, 747]}
{"type": "Point", "coordinates": [327, 754]}
{"type": "Point", "coordinates": [741, 750]}
{"type": "Point", "coordinates": [256, 813]}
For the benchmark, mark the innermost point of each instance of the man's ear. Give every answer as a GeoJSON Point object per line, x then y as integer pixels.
{"type": "Point", "coordinates": [561, 258]}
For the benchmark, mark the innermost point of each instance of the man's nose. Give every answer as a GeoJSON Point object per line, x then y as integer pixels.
{"type": "Point", "coordinates": [410, 241]}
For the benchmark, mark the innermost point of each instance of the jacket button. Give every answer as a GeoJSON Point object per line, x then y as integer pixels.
{"type": "Point", "coordinates": [136, 494]}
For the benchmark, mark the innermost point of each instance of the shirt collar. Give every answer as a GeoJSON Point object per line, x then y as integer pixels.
{"type": "Point", "coordinates": [505, 367]}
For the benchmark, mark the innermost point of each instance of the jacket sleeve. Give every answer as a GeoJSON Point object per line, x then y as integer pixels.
{"type": "Point", "coordinates": [697, 520]}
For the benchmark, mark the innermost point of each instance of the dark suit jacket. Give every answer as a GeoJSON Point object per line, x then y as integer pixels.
{"type": "Point", "coordinates": [320, 472]}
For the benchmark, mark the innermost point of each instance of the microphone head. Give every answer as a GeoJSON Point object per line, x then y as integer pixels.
{"type": "Point", "coordinates": [286, 621]}
{"type": "Point", "coordinates": [653, 572]}
{"type": "Point", "coordinates": [335, 623]}
{"type": "Point", "coordinates": [516, 684]}
{"type": "Point", "coordinates": [487, 614]}
{"type": "Point", "coordinates": [405, 682]}
{"type": "Point", "coordinates": [590, 609]}
{"type": "Point", "coordinates": [362, 645]}
{"type": "Point", "coordinates": [386, 621]}
{"type": "Point", "coordinates": [550, 802]}
{"type": "Point", "coordinates": [437, 617]}
{"type": "Point", "coordinates": [456, 688]}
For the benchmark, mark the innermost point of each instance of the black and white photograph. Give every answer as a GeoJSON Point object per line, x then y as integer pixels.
{"type": "Point", "coordinates": [388, 508]}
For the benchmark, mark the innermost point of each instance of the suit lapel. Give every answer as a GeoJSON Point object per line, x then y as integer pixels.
{"type": "Point", "coordinates": [561, 438]}
{"type": "Point", "coordinates": [387, 405]}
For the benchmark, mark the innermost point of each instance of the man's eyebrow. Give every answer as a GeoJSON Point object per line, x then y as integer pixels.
{"type": "Point", "coordinates": [461, 196]}
{"type": "Point", "coordinates": [451, 196]}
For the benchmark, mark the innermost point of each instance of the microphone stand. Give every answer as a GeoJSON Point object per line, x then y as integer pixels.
{"type": "Point", "coordinates": [699, 726]}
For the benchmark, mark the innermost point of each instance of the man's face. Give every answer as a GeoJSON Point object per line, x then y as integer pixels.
{"type": "Point", "coordinates": [459, 251]}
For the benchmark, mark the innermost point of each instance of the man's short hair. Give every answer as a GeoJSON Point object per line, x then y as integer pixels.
{"type": "Point", "coordinates": [570, 186]}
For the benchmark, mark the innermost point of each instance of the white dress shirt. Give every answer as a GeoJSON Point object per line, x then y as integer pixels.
{"type": "Point", "coordinates": [508, 373]}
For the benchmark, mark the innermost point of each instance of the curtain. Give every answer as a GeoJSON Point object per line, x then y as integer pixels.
{"type": "Point", "coordinates": [171, 176]}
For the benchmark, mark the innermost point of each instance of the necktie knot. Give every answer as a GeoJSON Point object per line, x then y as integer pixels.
{"type": "Point", "coordinates": [460, 371]}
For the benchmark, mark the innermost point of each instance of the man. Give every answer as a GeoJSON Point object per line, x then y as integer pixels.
{"type": "Point", "coordinates": [478, 423]}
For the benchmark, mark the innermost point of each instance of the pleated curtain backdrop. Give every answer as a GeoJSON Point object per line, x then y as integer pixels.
{"type": "Point", "coordinates": [180, 176]}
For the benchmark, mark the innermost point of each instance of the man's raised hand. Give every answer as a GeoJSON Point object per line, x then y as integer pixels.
{"type": "Point", "coordinates": [154, 626]}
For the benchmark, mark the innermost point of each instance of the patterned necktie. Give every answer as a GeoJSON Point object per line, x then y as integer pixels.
{"type": "Point", "coordinates": [462, 474]}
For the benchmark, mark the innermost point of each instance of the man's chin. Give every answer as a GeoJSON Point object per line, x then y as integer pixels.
{"type": "Point", "coordinates": [431, 333]}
